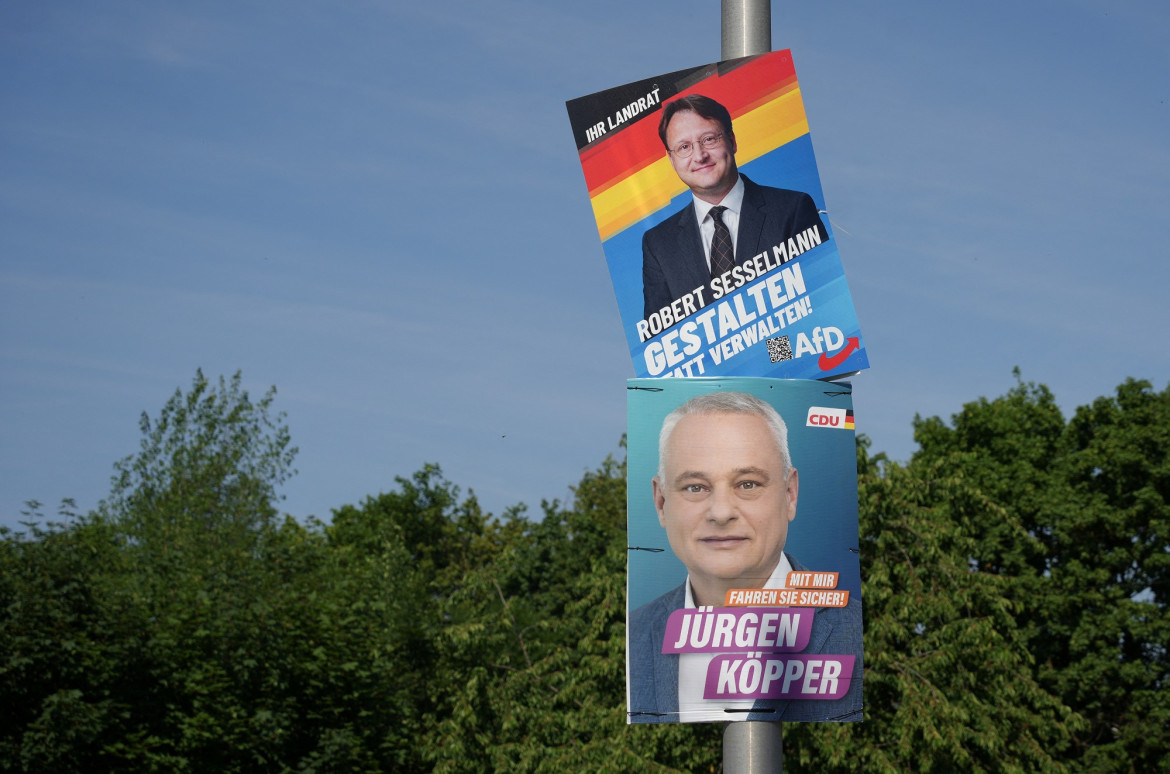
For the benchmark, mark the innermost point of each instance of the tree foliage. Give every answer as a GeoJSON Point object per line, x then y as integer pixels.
{"type": "Point", "coordinates": [1015, 580]}
{"type": "Point", "coordinates": [1093, 498]}
{"type": "Point", "coordinates": [212, 455]}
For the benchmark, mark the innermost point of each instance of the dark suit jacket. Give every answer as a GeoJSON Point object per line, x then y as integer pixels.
{"type": "Point", "coordinates": [654, 675]}
{"type": "Point", "coordinates": [674, 262]}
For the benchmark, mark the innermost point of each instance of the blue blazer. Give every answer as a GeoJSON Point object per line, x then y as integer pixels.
{"type": "Point", "coordinates": [674, 262]}
{"type": "Point", "coordinates": [654, 675]}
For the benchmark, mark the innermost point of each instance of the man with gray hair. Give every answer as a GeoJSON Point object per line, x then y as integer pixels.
{"type": "Point", "coordinates": [725, 492]}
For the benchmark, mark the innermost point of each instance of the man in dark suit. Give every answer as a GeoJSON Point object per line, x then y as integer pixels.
{"type": "Point", "coordinates": [730, 220]}
{"type": "Point", "coordinates": [725, 493]}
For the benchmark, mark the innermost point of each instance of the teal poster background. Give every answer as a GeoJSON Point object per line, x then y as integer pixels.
{"type": "Point", "coordinates": [824, 534]}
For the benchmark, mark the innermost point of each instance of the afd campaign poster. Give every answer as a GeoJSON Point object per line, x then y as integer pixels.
{"type": "Point", "coordinates": [710, 210]}
{"type": "Point", "coordinates": [743, 576]}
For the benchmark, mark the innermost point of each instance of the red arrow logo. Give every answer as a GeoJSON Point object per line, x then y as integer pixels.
{"type": "Point", "coordinates": [827, 363]}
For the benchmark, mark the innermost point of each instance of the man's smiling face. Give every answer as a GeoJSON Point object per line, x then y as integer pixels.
{"type": "Point", "coordinates": [725, 501]}
{"type": "Point", "coordinates": [709, 172]}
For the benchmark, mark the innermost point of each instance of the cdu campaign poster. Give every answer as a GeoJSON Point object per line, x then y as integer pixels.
{"type": "Point", "coordinates": [743, 582]}
{"type": "Point", "coordinates": [711, 215]}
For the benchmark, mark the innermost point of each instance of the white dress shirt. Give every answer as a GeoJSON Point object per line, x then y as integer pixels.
{"type": "Point", "coordinates": [692, 667]}
{"type": "Point", "coordinates": [733, 201]}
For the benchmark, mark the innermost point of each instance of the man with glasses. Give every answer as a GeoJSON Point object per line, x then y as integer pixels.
{"type": "Point", "coordinates": [731, 219]}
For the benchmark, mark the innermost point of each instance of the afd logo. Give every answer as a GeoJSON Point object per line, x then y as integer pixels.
{"type": "Point", "coordinates": [838, 419]}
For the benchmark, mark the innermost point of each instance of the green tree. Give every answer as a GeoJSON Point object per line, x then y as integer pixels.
{"type": "Point", "coordinates": [176, 628]}
{"type": "Point", "coordinates": [949, 679]}
{"type": "Point", "coordinates": [1105, 628]}
{"type": "Point", "coordinates": [58, 656]}
{"type": "Point", "coordinates": [440, 540]}
{"type": "Point", "coordinates": [532, 664]}
{"type": "Point", "coordinates": [259, 644]}
{"type": "Point", "coordinates": [1015, 579]}
{"type": "Point", "coordinates": [1085, 536]}
{"type": "Point", "coordinates": [212, 458]}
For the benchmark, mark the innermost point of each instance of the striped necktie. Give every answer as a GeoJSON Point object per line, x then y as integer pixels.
{"type": "Point", "coordinates": [722, 253]}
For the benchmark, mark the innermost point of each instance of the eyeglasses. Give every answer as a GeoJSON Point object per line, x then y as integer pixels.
{"type": "Point", "coordinates": [708, 141]}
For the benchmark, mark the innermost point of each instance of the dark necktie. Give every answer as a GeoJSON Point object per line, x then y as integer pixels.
{"type": "Point", "coordinates": [722, 254]}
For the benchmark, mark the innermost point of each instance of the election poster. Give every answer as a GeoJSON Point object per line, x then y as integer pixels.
{"type": "Point", "coordinates": [743, 575]}
{"type": "Point", "coordinates": [709, 206]}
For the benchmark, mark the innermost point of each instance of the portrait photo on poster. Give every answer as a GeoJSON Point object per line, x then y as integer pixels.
{"type": "Point", "coordinates": [743, 585]}
{"type": "Point", "coordinates": [709, 206]}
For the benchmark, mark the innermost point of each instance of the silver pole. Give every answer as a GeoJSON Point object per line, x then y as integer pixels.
{"type": "Point", "coordinates": [747, 28]}
{"type": "Point", "coordinates": [750, 746]}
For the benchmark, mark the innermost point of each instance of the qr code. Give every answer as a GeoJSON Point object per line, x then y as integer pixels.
{"type": "Point", "coordinates": [779, 349]}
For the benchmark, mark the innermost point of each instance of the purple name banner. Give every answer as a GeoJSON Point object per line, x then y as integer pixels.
{"type": "Point", "coordinates": [762, 676]}
{"type": "Point", "coordinates": [723, 629]}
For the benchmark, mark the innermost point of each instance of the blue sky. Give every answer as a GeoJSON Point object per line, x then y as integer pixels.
{"type": "Point", "coordinates": [378, 208]}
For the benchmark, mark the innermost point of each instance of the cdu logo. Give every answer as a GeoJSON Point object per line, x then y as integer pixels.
{"type": "Point", "coordinates": [837, 419]}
